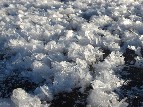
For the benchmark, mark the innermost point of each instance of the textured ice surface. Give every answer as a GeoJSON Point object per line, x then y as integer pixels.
{"type": "Point", "coordinates": [23, 99]}
{"type": "Point", "coordinates": [49, 47]}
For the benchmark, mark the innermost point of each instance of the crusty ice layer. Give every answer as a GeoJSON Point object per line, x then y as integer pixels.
{"type": "Point", "coordinates": [59, 45]}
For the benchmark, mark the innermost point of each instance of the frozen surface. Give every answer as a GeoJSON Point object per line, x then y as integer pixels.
{"type": "Point", "coordinates": [48, 47]}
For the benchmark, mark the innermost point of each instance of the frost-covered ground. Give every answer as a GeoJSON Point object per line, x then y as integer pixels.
{"type": "Point", "coordinates": [71, 53]}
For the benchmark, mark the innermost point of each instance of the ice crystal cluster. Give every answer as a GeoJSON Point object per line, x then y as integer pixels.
{"type": "Point", "coordinates": [48, 47]}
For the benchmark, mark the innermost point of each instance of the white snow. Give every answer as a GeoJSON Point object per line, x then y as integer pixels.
{"type": "Point", "coordinates": [55, 42]}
